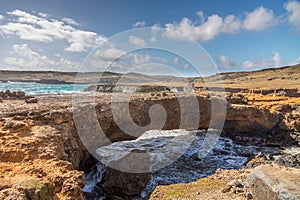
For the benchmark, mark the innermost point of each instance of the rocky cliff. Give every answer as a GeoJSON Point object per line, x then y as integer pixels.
{"type": "Point", "coordinates": [41, 153]}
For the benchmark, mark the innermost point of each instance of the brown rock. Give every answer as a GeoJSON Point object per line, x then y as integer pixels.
{"type": "Point", "coordinates": [13, 194]}
{"type": "Point", "coordinates": [274, 183]}
{"type": "Point", "coordinates": [15, 126]}
{"type": "Point", "coordinates": [31, 100]}
{"type": "Point", "coordinates": [235, 183]}
{"type": "Point", "coordinates": [126, 184]}
{"type": "Point", "coordinates": [20, 94]}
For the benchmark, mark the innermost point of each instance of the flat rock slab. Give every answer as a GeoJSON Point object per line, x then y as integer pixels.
{"type": "Point", "coordinates": [275, 183]}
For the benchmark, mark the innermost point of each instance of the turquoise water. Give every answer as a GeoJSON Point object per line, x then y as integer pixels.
{"type": "Point", "coordinates": [37, 88]}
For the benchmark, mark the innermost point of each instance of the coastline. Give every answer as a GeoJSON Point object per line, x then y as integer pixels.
{"type": "Point", "coordinates": [43, 155]}
{"type": "Point", "coordinates": [60, 149]}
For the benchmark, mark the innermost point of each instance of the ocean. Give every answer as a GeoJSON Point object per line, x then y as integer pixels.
{"type": "Point", "coordinates": [31, 88]}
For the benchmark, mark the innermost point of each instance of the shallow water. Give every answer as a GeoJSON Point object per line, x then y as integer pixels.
{"type": "Point", "coordinates": [193, 164]}
{"type": "Point", "coordinates": [37, 88]}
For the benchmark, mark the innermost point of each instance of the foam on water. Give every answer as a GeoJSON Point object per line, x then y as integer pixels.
{"type": "Point", "coordinates": [190, 165]}
{"type": "Point", "coordinates": [31, 88]}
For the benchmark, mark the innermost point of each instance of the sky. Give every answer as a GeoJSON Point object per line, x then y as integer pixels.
{"type": "Point", "coordinates": [77, 35]}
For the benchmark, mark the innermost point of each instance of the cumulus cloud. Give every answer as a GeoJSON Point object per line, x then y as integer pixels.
{"type": "Point", "coordinates": [153, 39]}
{"type": "Point", "coordinates": [203, 29]}
{"type": "Point", "coordinates": [109, 54]}
{"type": "Point", "coordinates": [293, 9]}
{"type": "Point", "coordinates": [226, 62]}
{"type": "Point", "coordinates": [274, 60]}
{"type": "Point", "coordinates": [25, 58]}
{"type": "Point", "coordinates": [1, 17]}
{"type": "Point", "coordinates": [137, 41]}
{"type": "Point", "coordinates": [277, 59]}
{"type": "Point", "coordinates": [261, 62]}
{"type": "Point", "coordinates": [176, 60]}
{"type": "Point", "coordinates": [187, 28]}
{"type": "Point", "coordinates": [139, 59]}
{"type": "Point", "coordinates": [201, 16]}
{"type": "Point", "coordinates": [207, 28]}
{"type": "Point", "coordinates": [139, 24]}
{"type": "Point", "coordinates": [155, 28]}
{"type": "Point", "coordinates": [70, 21]}
{"type": "Point", "coordinates": [231, 24]}
{"type": "Point", "coordinates": [260, 19]}
{"type": "Point", "coordinates": [45, 15]}
{"type": "Point", "coordinates": [44, 29]}
{"type": "Point", "coordinates": [186, 66]}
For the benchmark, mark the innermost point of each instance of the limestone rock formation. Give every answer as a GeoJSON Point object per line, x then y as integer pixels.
{"type": "Point", "coordinates": [274, 183]}
{"type": "Point", "coordinates": [40, 140]}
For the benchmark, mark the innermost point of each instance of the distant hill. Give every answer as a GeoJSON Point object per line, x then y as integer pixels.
{"type": "Point", "coordinates": [283, 77]}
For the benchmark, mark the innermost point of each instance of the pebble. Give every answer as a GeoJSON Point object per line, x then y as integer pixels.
{"type": "Point", "coordinates": [235, 183]}
{"type": "Point", "coordinates": [226, 189]}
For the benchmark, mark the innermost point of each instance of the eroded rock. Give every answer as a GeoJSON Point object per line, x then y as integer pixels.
{"type": "Point", "coordinates": [274, 183]}
{"type": "Point", "coordinates": [127, 184]}
{"type": "Point", "coordinates": [31, 100]}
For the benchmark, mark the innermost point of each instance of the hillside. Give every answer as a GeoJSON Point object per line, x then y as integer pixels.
{"type": "Point", "coordinates": [284, 77]}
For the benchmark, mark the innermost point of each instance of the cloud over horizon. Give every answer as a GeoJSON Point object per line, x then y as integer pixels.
{"type": "Point", "coordinates": [293, 9]}
{"type": "Point", "coordinates": [45, 29]}
{"type": "Point", "coordinates": [25, 58]}
{"type": "Point", "coordinates": [207, 28]}
{"type": "Point", "coordinates": [272, 61]}
{"type": "Point", "coordinates": [37, 39]}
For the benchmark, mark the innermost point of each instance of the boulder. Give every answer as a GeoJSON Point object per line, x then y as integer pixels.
{"type": "Point", "coordinates": [126, 184]}
{"type": "Point", "coordinates": [31, 100]}
{"type": "Point", "coordinates": [274, 183]}
{"type": "Point", "coordinates": [20, 94]}
{"type": "Point", "coordinates": [12, 95]}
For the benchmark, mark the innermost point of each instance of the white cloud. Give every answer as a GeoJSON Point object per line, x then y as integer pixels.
{"type": "Point", "coordinates": [258, 63]}
{"type": "Point", "coordinates": [203, 32]}
{"type": "Point", "coordinates": [139, 59]}
{"type": "Point", "coordinates": [204, 29]}
{"type": "Point", "coordinates": [277, 59]}
{"type": "Point", "coordinates": [43, 15]}
{"type": "Point", "coordinates": [43, 29]}
{"type": "Point", "coordinates": [231, 24]}
{"type": "Point", "coordinates": [226, 62]}
{"type": "Point", "coordinates": [176, 60]}
{"type": "Point", "coordinates": [164, 60]}
{"type": "Point", "coordinates": [25, 32]}
{"type": "Point", "coordinates": [70, 21]}
{"type": "Point", "coordinates": [260, 19]}
{"type": "Point", "coordinates": [64, 64]}
{"type": "Point", "coordinates": [153, 39]}
{"type": "Point", "coordinates": [1, 17]}
{"type": "Point", "coordinates": [155, 28]}
{"type": "Point", "coordinates": [139, 24]}
{"type": "Point", "coordinates": [293, 9]}
{"type": "Point", "coordinates": [201, 16]}
{"type": "Point", "coordinates": [109, 54]}
{"type": "Point", "coordinates": [137, 41]}
{"type": "Point", "coordinates": [25, 58]}
{"type": "Point", "coordinates": [207, 28]}
{"type": "Point", "coordinates": [186, 66]}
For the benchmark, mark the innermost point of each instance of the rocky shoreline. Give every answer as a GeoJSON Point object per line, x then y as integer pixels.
{"type": "Point", "coordinates": [42, 156]}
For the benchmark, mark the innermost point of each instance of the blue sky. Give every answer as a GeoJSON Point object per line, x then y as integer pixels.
{"type": "Point", "coordinates": [59, 35]}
